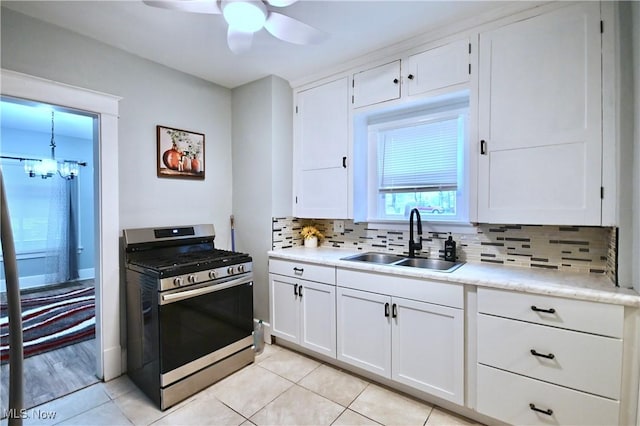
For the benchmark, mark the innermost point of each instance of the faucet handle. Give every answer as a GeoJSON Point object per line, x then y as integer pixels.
{"type": "Point", "coordinates": [418, 245]}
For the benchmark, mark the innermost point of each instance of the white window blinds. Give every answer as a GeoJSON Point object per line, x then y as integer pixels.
{"type": "Point", "coordinates": [420, 158]}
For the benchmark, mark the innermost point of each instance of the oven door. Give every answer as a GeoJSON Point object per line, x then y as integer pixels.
{"type": "Point", "coordinates": [204, 324]}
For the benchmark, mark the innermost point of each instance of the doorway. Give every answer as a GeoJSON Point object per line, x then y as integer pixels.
{"type": "Point", "coordinates": [47, 162]}
{"type": "Point", "coordinates": [107, 274]}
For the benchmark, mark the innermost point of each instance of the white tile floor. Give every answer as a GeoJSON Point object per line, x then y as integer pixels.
{"type": "Point", "coordinates": [281, 388]}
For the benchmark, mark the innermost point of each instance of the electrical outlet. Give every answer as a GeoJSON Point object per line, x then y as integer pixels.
{"type": "Point", "coordinates": [338, 226]}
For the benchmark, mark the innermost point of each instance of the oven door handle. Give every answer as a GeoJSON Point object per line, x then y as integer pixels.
{"type": "Point", "coordinates": [187, 294]}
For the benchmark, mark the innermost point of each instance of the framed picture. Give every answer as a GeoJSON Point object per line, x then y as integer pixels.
{"type": "Point", "coordinates": [180, 153]}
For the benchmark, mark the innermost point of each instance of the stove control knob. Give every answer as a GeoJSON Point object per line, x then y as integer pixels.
{"type": "Point", "coordinates": [178, 281]}
{"type": "Point", "coordinates": [241, 268]}
{"type": "Point", "coordinates": [230, 270]}
{"type": "Point", "coordinates": [192, 279]}
{"type": "Point", "coordinates": [213, 275]}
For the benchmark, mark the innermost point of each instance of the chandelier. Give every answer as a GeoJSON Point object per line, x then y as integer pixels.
{"type": "Point", "coordinates": [47, 167]}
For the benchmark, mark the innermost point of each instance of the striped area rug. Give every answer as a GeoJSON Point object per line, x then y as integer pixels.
{"type": "Point", "coordinates": [52, 321]}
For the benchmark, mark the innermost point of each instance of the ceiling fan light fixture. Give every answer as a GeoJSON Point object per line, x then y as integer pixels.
{"type": "Point", "coordinates": [243, 15]}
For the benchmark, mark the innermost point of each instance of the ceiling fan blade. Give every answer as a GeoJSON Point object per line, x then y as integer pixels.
{"type": "Point", "coordinates": [239, 41]}
{"type": "Point", "coordinates": [281, 3]}
{"type": "Point", "coordinates": [194, 6]}
{"type": "Point", "coordinates": [291, 30]}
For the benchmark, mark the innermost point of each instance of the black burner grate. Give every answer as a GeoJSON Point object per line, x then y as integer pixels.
{"type": "Point", "coordinates": [168, 262]}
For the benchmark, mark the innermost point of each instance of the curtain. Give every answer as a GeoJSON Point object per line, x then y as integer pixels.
{"type": "Point", "coordinates": [61, 261]}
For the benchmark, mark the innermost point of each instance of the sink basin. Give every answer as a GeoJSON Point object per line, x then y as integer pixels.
{"type": "Point", "coordinates": [382, 258]}
{"type": "Point", "coordinates": [398, 260]}
{"type": "Point", "coordinates": [434, 264]}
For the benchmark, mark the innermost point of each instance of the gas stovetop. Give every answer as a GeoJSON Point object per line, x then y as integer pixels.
{"type": "Point", "coordinates": [174, 262]}
{"type": "Point", "coordinates": [175, 251]}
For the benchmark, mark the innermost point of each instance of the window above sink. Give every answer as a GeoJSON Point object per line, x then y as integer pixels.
{"type": "Point", "coordinates": [413, 157]}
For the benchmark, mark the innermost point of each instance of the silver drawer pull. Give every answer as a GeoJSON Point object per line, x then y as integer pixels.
{"type": "Point", "coordinates": [548, 411]}
{"type": "Point", "coordinates": [536, 353]}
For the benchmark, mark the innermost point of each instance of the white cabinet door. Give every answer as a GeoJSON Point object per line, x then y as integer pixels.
{"type": "Point", "coordinates": [285, 308]}
{"type": "Point", "coordinates": [321, 138]}
{"type": "Point", "coordinates": [540, 117]}
{"type": "Point", "coordinates": [376, 85]}
{"type": "Point", "coordinates": [428, 348]}
{"type": "Point", "coordinates": [318, 317]}
{"type": "Point", "coordinates": [438, 68]}
{"type": "Point", "coordinates": [364, 330]}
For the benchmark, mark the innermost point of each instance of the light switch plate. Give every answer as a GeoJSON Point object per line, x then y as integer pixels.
{"type": "Point", "coordinates": [338, 226]}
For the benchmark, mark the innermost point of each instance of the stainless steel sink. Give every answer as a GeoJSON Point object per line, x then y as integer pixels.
{"type": "Point", "coordinates": [434, 264]}
{"type": "Point", "coordinates": [398, 260]}
{"type": "Point", "coordinates": [372, 257]}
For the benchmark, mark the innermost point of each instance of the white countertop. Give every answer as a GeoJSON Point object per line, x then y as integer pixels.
{"type": "Point", "coordinates": [597, 288]}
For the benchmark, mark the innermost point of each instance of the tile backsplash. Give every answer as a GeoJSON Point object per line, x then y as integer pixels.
{"type": "Point", "coordinates": [580, 249]}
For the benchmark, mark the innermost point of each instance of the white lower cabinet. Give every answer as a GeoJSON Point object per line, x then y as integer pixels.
{"type": "Point", "coordinates": [285, 308]}
{"type": "Point", "coordinates": [520, 400]}
{"type": "Point", "coordinates": [548, 360]}
{"type": "Point", "coordinates": [538, 359]}
{"type": "Point", "coordinates": [303, 312]}
{"type": "Point", "coordinates": [427, 348]}
{"type": "Point", "coordinates": [415, 343]}
{"type": "Point", "coordinates": [576, 360]}
{"type": "Point", "coordinates": [364, 330]}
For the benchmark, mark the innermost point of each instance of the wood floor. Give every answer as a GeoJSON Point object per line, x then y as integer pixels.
{"type": "Point", "coordinates": [56, 373]}
{"type": "Point", "coordinates": [53, 374]}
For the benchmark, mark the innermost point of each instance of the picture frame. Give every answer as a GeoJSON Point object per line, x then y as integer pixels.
{"type": "Point", "coordinates": [180, 153]}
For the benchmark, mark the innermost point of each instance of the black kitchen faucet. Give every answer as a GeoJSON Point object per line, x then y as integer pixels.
{"type": "Point", "coordinates": [413, 246]}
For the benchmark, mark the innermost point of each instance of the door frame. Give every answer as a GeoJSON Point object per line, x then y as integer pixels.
{"type": "Point", "coordinates": [107, 226]}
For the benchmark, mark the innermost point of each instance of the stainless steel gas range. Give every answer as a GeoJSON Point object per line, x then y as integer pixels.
{"type": "Point", "coordinates": [189, 311]}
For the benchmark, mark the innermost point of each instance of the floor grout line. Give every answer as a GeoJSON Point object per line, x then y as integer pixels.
{"type": "Point", "coordinates": [189, 407]}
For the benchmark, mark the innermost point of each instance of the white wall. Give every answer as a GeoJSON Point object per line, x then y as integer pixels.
{"type": "Point", "coordinates": [152, 94]}
{"type": "Point", "coordinates": [262, 141]}
{"type": "Point", "coordinates": [625, 129]}
{"type": "Point", "coordinates": [282, 150]}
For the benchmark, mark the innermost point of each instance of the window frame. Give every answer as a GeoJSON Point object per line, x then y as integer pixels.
{"type": "Point", "coordinates": [458, 108]}
{"type": "Point", "coordinates": [26, 249]}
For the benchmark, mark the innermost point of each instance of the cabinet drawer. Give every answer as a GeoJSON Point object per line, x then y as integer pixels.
{"type": "Point", "coordinates": [580, 361]}
{"type": "Point", "coordinates": [308, 271]}
{"type": "Point", "coordinates": [507, 397]}
{"type": "Point", "coordinates": [421, 289]}
{"type": "Point", "coordinates": [590, 317]}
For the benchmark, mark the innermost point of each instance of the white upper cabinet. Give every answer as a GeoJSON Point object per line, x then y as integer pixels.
{"type": "Point", "coordinates": [438, 68]}
{"type": "Point", "coordinates": [321, 142]}
{"type": "Point", "coordinates": [434, 69]}
{"type": "Point", "coordinates": [540, 119]}
{"type": "Point", "coordinates": [375, 85]}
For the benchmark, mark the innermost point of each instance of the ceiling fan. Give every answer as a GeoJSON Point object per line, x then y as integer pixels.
{"type": "Point", "coordinates": [245, 17]}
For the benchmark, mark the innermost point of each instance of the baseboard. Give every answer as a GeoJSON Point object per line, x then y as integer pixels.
{"type": "Point", "coordinates": [87, 273]}
{"type": "Point", "coordinates": [33, 281]}
{"type": "Point", "coordinates": [112, 366]}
